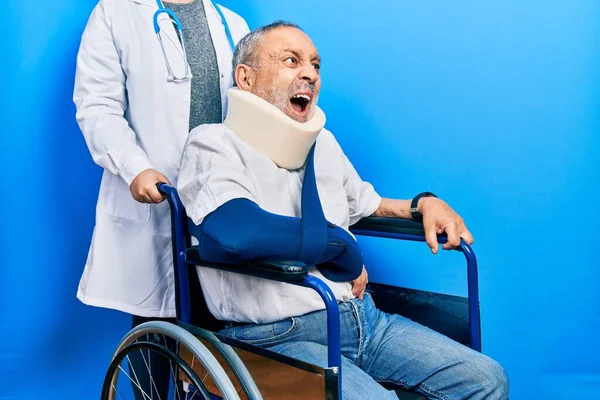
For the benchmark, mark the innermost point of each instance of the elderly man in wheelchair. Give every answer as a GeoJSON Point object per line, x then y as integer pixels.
{"type": "Point", "coordinates": [271, 187]}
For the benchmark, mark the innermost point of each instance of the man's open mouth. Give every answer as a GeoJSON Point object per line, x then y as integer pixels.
{"type": "Point", "coordinates": [300, 102]}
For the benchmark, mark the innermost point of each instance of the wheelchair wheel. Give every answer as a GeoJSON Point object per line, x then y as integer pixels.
{"type": "Point", "coordinates": [135, 363]}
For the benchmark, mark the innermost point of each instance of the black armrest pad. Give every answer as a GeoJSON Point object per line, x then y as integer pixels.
{"type": "Point", "coordinates": [388, 225]}
{"type": "Point", "coordinates": [275, 270]}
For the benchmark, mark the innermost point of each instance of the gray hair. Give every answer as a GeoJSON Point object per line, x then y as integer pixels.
{"type": "Point", "coordinates": [246, 51]}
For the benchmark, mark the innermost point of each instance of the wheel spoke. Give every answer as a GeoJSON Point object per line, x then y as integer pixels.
{"type": "Point", "coordinates": [117, 392]}
{"type": "Point", "coordinates": [136, 382]}
{"type": "Point", "coordinates": [150, 372]}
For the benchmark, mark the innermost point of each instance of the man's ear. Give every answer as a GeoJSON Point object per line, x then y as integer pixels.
{"type": "Point", "coordinates": [244, 77]}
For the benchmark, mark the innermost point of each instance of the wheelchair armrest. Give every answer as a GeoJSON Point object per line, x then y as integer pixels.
{"type": "Point", "coordinates": [277, 270]}
{"type": "Point", "coordinates": [295, 273]}
{"type": "Point", "coordinates": [408, 229]}
{"type": "Point", "coordinates": [388, 225]}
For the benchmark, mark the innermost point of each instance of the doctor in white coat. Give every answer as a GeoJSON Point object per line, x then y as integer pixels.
{"type": "Point", "coordinates": [135, 120]}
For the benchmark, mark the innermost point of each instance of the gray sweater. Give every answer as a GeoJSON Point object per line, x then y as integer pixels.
{"type": "Point", "coordinates": [205, 107]}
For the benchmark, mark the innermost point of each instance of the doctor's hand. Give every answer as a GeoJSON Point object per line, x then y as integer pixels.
{"type": "Point", "coordinates": [143, 187]}
{"type": "Point", "coordinates": [438, 218]}
{"type": "Point", "coordinates": [359, 285]}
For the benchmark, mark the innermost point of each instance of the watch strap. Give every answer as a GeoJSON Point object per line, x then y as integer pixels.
{"type": "Point", "coordinates": [414, 205]}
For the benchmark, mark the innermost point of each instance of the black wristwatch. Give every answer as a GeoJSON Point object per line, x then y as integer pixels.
{"type": "Point", "coordinates": [414, 209]}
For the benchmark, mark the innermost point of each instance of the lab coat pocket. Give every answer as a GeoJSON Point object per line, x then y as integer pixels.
{"type": "Point", "coordinates": [119, 202]}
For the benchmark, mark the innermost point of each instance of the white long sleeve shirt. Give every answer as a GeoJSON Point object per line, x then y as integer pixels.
{"type": "Point", "coordinates": [217, 167]}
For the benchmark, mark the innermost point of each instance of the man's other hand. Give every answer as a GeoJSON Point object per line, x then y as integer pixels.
{"type": "Point", "coordinates": [359, 285]}
{"type": "Point", "coordinates": [439, 218]}
{"type": "Point", "coordinates": [143, 187]}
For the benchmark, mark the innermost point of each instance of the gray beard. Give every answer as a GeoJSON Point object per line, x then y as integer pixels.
{"type": "Point", "coordinates": [274, 96]}
{"type": "Point", "coordinates": [281, 99]}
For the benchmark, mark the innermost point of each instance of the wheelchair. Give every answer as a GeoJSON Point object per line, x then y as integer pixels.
{"type": "Point", "coordinates": [204, 364]}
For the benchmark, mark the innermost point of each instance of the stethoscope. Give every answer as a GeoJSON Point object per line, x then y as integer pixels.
{"type": "Point", "coordinates": [187, 74]}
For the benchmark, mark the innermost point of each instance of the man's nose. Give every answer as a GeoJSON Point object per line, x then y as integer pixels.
{"type": "Point", "coordinates": [309, 74]}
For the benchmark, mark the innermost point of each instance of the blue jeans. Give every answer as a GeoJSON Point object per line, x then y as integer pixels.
{"type": "Point", "coordinates": [379, 347]}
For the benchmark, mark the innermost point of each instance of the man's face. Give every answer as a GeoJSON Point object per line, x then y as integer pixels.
{"type": "Point", "coordinates": [288, 73]}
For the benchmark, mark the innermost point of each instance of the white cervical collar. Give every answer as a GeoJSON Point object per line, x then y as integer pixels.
{"type": "Point", "coordinates": [269, 131]}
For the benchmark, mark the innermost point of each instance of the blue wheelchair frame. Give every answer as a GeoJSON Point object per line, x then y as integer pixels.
{"type": "Point", "coordinates": [372, 226]}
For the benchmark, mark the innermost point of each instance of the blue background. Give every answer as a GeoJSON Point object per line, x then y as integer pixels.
{"type": "Point", "coordinates": [494, 106]}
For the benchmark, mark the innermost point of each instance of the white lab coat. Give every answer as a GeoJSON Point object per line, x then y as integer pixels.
{"type": "Point", "coordinates": [133, 119]}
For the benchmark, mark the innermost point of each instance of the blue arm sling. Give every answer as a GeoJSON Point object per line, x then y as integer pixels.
{"type": "Point", "coordinates": [240, 231]}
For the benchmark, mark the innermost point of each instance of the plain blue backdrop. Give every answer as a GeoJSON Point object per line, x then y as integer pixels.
{"type": "Point", "coordinates": [494, 106]}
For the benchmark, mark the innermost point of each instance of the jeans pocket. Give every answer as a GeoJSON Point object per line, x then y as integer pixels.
{"type": "Point", "coordinates": [265, 334]}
